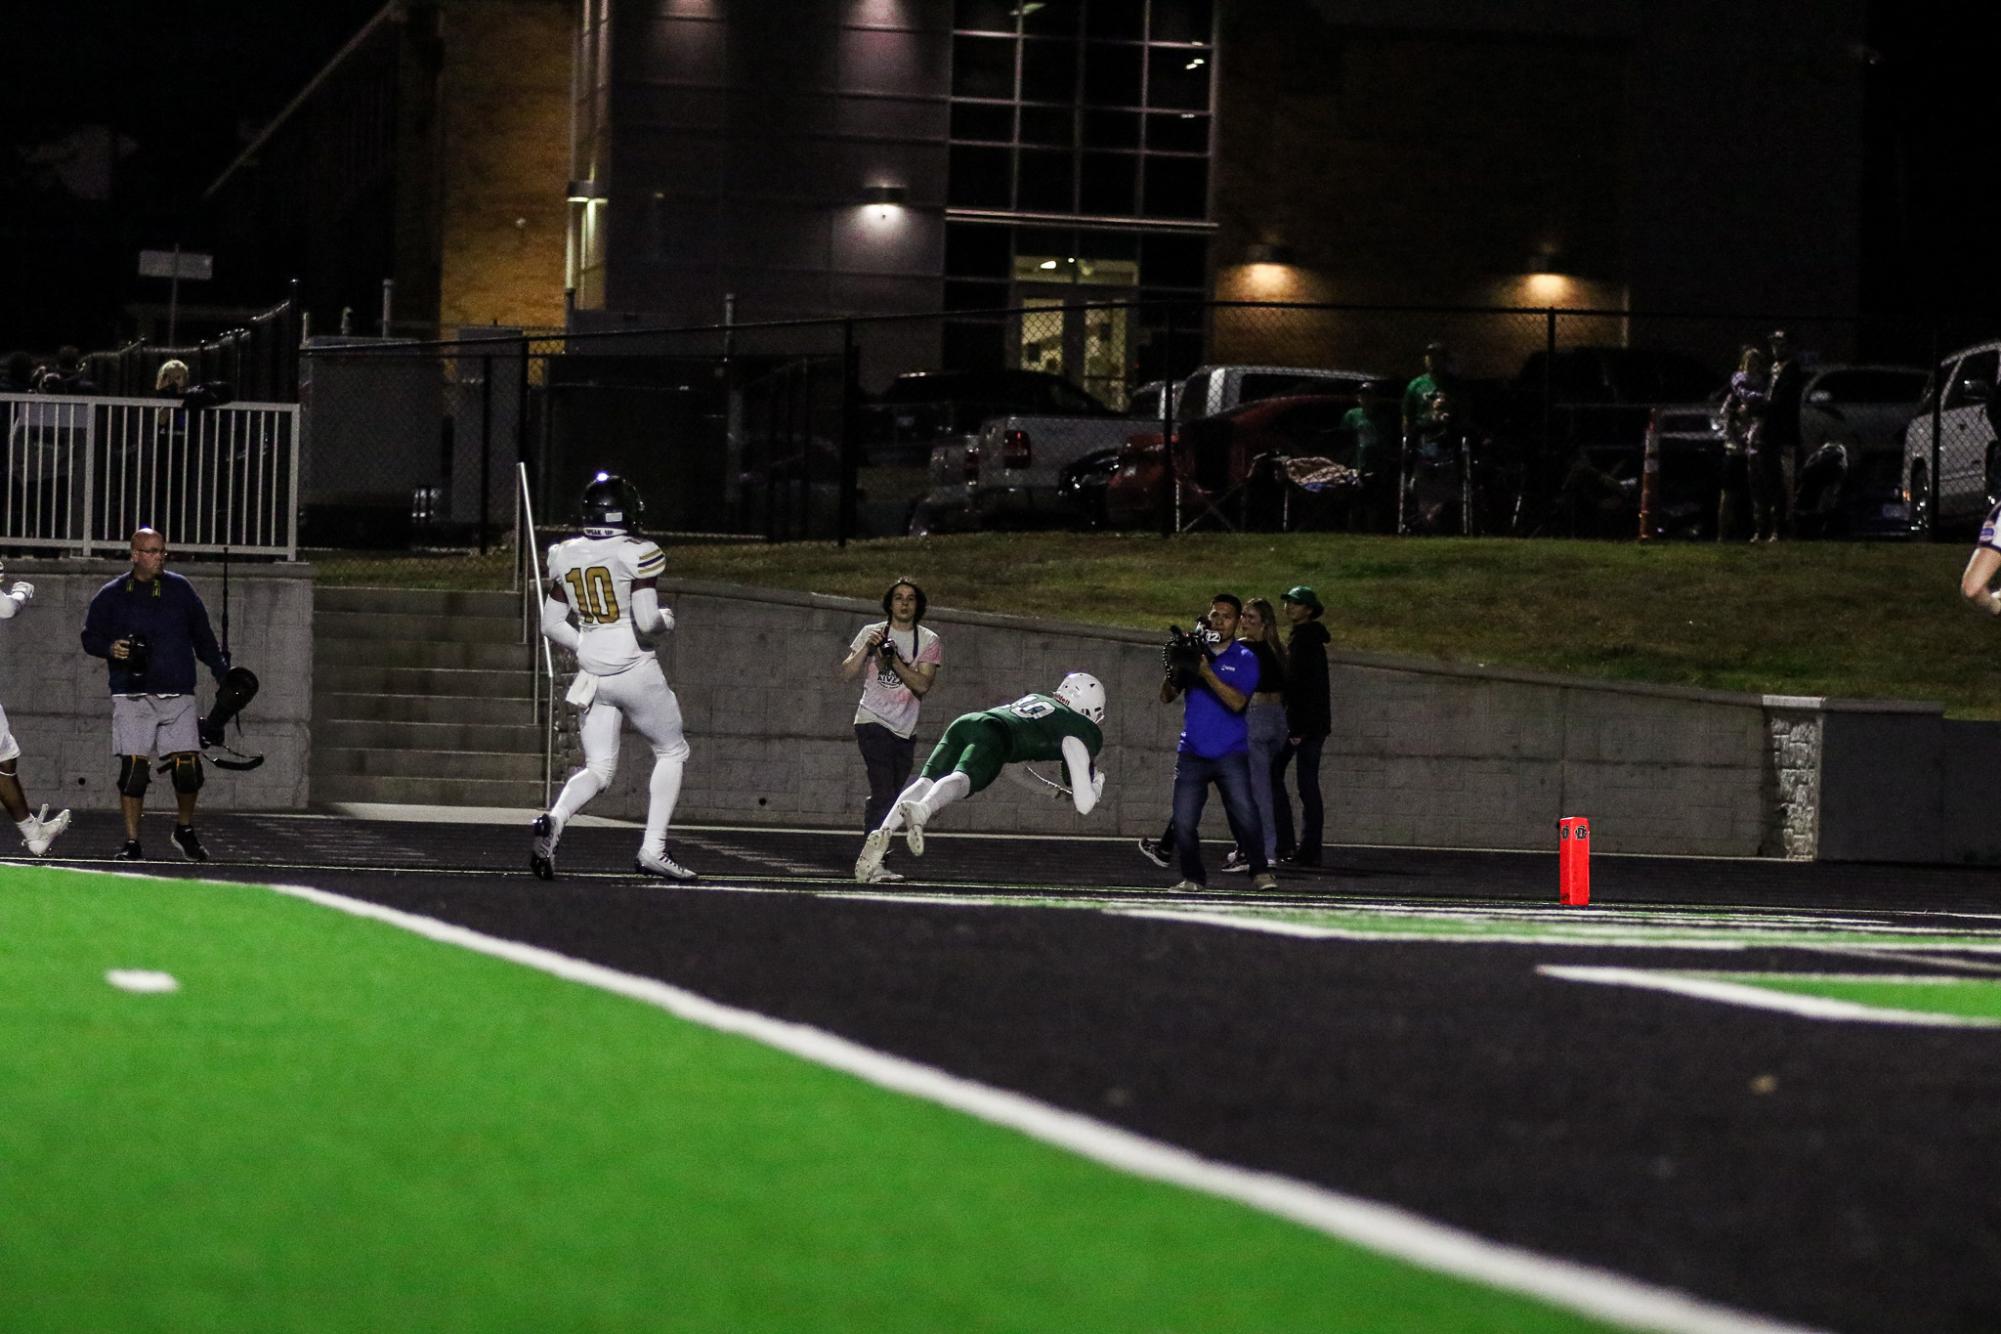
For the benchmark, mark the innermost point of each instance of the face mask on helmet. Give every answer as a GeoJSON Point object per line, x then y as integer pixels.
{"type": "Point", "coordinates": [1081, 692]}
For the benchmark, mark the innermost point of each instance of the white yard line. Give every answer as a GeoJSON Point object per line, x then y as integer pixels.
{"type": "Point", "coordinates": [1762, 998]}
{"type": "Point", "coordinates": [1596, 1293]}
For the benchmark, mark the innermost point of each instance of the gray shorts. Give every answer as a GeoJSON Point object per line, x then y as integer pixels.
{"type": "Point", "coordinates": [154, 724]}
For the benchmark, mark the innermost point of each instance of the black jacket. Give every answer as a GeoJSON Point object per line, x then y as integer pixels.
{"type": "Point", "coordinates": [1307, 710]}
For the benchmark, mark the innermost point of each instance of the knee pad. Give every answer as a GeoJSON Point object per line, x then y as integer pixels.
{"type": "Point", "coordinates": [603, 770]}
{"type": "Point", "coordinates": [187, 773]}
{"type": "Point", "coordinates": [133, 775]}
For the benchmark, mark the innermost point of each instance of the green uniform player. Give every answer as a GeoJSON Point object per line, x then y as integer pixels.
{"type": "Point", "coordinates": [1060, 726]}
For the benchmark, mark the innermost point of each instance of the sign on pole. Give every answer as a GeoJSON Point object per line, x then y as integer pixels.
{"type": "Point", "coordinates": [188, 264]}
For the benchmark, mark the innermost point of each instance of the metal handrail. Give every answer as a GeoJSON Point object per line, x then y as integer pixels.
{"type": "Point", "coordinates": [532, 598]}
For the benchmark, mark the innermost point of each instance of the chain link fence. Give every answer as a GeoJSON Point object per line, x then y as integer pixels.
{"type": "Point", "coordinates": [1152, 415]}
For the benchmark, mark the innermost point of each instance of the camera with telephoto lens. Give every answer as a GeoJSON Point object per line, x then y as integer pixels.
{"type": "Point", "coordinates": [888, 649]}
{"type": "Point", "coordinates": [1184, 651]}
{"type": "Point", "coordinates": [138, 656]}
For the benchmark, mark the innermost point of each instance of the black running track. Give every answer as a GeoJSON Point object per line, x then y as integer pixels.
{"type": "Point", "coordinates": [1839, 1175]}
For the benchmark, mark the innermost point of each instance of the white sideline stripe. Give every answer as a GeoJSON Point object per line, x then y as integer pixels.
{"type": "Point", "coordinates": [1378, 1227]}
{"type": "Point", "coordinates": [1761, 998]}
{"type": "Point", "coordinates": [1556, 937]}
{"type": "Point", "coordinates": [142, 981]}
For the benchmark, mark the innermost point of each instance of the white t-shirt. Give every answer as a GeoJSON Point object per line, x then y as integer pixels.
{"type": "Point", "coordinates": [885, 699]}
{"type": "Point", "coordinates": [597, 574]}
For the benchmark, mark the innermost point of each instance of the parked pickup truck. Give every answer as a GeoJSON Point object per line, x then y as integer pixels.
{"type": "Point", "coordinates": [1013, 474]}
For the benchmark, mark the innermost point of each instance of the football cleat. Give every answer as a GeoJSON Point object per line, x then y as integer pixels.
{"type": "Point", "coordinates": [915, 813]}
{"type": "Point", "coordinates": [42, 831]}
{"type": "Point", "coordinates": [542, 846]}
{"type": "Point", "coordinates": [884, 876]}
{"type": "Point", "coordinates": [662, 866]}
{"type": "Point", "coordinates": [874, 848]}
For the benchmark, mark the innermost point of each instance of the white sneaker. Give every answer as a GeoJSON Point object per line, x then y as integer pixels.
{"type": "Point", "coordinates": [544, 834]}
{"type": "Point", "coordinates": [915, 813]}
{"type": "Point", "coordinates": [884, 876]}
{"type": "Point", "coordinates": [662, 865]}
{"type": "Point", "coordinates": [43, 830]}
{"type": "Point", "coordinates": [874, 848]}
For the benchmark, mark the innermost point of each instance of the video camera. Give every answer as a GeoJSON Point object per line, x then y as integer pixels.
{"type": "Point", "coordinates": [1185, 650]}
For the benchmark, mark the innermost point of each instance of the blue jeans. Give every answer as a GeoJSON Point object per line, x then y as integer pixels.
{"type": "Point", "coordinates": [1232, 776]}
{"type": "Point", "coordinates": [1267, 727]}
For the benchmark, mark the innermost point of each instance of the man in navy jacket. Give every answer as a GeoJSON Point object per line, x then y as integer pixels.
{"type": "Point", "coordinates": [151, 627]}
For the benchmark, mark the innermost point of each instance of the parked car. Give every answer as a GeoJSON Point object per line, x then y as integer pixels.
{"type": "Point", "coordinates": [1023, 458]}
{"type": "Point", "coordinates": [946, 505]}
{"type": "Point", "coordinates": [1219, 460]}
{"type": "Point", "coordinates": [1960, 395]}
{"type": "Point", "coordinates": [919, 407]}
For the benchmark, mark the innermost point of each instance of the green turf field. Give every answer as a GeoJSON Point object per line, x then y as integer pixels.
{"type": "Point", "coordinates": [1967, 997]}
{"type": "Point", "coordinates": [333, 1124]}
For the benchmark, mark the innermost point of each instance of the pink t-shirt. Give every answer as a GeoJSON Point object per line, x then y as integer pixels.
{"type": "Point", "coordinates": [885, 699]}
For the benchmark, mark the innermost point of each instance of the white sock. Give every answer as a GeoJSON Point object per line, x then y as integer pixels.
{"type": "Point", "coordinates": [918, 789]}
{"type": "Point", "coordinates": [583, 785]}
{"type": "Point", "coordinates": [663, 790]}
{"type": "Point", "coordinates": [945, 791]}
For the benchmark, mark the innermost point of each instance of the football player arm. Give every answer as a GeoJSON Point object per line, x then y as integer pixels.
{"type": "Point", "coordinates": [1086, 786]}
{"type": "Point", "coordinates": [1977, 584]}
{"type": "Point", "coordinates": [648, 616]}
{"type": "Point", "coordinates": [556, 619]}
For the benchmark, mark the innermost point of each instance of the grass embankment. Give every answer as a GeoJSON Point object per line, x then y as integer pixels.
{"type": "Point", "coordinates": [1849, 619]}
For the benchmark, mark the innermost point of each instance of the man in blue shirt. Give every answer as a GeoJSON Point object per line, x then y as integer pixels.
{"type": "Point", "coordinates": [1215, 748]}
{"type": "Point", "coordinates": [150, 627]}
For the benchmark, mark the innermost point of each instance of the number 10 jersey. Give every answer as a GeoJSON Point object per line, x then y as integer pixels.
{"type": "Point", "coordinates": [596, 575]}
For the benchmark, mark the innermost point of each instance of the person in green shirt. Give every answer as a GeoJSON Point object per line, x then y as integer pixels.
{"type": "Point", "coordinates": [1372, 424]}
{"type": "Point", "coordinates": [1061, 725]}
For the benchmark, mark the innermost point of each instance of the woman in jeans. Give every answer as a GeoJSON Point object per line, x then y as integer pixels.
{"type": "Point", "coordinates": [1266, 715]}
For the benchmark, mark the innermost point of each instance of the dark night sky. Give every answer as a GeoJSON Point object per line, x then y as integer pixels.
{"type": "Point", "coordinates": [178, 82]}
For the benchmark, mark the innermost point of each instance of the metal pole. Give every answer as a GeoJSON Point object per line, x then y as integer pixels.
{"type": "Point", "coordinates": [388, 303]}
{"type": "Point", "coordinates": [1167, 415]}
{"type": "Point", "coordinates": [1939, 387]}
{"type": "Point", "coordinates": [485, 446]}
{"type": "Point", "coordinates": [174, 296]}
{"type": "Point", "coordinates": [850, 461]}
{"type": "Point", "coordinates": [1548, 381]}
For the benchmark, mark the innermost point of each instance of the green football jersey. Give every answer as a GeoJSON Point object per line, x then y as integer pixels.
{"type": "Point", "coordinates": [1037, 724]}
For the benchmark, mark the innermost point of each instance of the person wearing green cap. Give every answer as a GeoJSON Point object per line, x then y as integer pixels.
{"type": "Point", "coordinates": [1308, 720]}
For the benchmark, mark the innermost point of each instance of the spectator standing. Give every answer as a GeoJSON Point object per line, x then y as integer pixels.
{"type": "Point", "coordinates": [1779, 441]}
{"type": "Point", "coordinates": [171, 380]}
{"type": "Point", "coordinates": [1264, 721]}
{"type": "Point", "coordinates": [150, 626]}
{"type": "Point", "coordinates": [1308, 720]}
{"type": "Point", "coordinates": [1427, 444]}
{"type": "Point", "coordinates": [1743, 414]}
{"type": "Point", "coordinates": [1215, 748]}
{"type": "Point", "coordinates": [898, 659]}
{"type": "Point", "coordinates": [70, 375]}
{"type": "Point", "coordinates": [1373, 425]}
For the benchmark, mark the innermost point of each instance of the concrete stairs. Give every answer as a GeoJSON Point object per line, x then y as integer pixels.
{"type": "Point", "coordinates": [423, 696]}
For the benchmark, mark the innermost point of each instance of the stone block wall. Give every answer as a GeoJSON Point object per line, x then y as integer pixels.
{"type": "Point", "coordinates": [58, 701]}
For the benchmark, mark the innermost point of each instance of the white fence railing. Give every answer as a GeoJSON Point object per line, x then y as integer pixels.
{"type": "Point", "coordinates": [82, 473]}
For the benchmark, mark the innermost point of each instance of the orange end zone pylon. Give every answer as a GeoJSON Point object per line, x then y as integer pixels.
{"type": "Point", "coordinates": [1573, 861]}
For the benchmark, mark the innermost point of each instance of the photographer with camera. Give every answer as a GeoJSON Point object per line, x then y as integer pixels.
{"type": "Point", "coordinates": [1218, 675]}
{"type": "Point", "coordinates": [901, 659]}
{"type": "Point", "coordinates": [151, 627]}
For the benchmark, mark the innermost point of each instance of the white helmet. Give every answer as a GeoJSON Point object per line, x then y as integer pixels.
{"type": "Point", "coordinates": [1081, 691]}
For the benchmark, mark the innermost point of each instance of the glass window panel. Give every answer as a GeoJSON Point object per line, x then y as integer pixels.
{"type": "Point", "coordinates": [1049, 72]}
{"type": "Point", "coordinates": [1111, 75]}
{"type": "Point", "coordinates": [1178, 132]}
{"type": "Point", "coordinates": [1124, 19]}
{"type": "Point", "coordinates": [982, 120]}
{"type": "Point", "coordinates": [1054, 18]}
{"type": "Point", "coordinates": [976, 296]}
{"type": "Point", "coordinates": [973, 251]}
{"type": "Point", "coordinates": [985, 15]}
{"type": "Point", "coordinates": [1052, 126]}
{"type": "Point", "coordinates": [980, 176]}
{"type": "Point", "coordinates": [1111, 129]}
{"type": "Point", "coordinates": [1046, 185]}
{"type": "Point", "coordinates": [1108, 245]}
{"type": "Point", "coordinates": [983, 66]}
{"type": "Point", "coordinates": [1182, 20]}
{"type": "Point", "coordinates": [1177, 187]}
{"type": "Point", "coordinates": [1172, 83]}
{"type": "Point", "coordinates": [1109, 183]}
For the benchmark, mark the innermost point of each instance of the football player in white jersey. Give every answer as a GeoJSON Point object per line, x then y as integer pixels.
{"type": "Point", "coordinates": [37, 831]}
{"type": "Point", "coordinates": [1977, 584]}
{"type": "Point", "coordinates": [606, 580]}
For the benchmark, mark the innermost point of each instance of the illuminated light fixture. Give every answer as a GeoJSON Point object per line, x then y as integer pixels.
{"type": "Point", "coordinates": [1196, 63]}
{"type": "Point", "coordinates": [888, 195]}
{"type": "Point", "coordinates": [584, 192]}
{"type": "Point", "coordinates": [1047, 264]}
{"type": "Point", "coordinates": [1188, 115]}
{"type": "Point", "coordinates": [1265, 252]}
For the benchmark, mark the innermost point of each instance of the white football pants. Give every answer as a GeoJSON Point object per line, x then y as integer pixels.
{"type": "Point", "coordinates": [643, 696]}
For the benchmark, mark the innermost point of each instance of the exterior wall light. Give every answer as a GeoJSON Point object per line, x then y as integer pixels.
{"type": "Point", "coordinates": [1265, 252]}
{"type": "Point", "coordinates": [889, 195]}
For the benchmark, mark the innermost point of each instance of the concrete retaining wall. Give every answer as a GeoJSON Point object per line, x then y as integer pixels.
{"type": "Point", "coordinates": [58, 702]}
